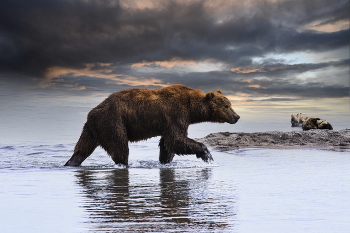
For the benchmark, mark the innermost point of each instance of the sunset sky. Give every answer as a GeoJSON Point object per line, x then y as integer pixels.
{"type": "Point", "coordinates": [60, 58]}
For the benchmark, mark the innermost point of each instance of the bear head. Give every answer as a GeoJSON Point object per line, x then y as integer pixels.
{"type": "Point", "coordinates": [296, 119]}
{"type": "Point", "coordinates": [220, 108]}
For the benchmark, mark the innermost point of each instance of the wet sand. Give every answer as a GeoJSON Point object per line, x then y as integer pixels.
{"type": "Point", "coordinates": [318, 139]}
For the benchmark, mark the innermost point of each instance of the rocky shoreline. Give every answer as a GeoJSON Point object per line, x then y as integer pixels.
{"type": "Point", "coordinates": [320, 139]}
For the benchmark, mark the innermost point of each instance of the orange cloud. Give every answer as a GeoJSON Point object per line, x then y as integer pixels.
{"type": "Point", "coordinates": [57, 71]}
{"type": "Point", "coordinates": [98, 70]}
{"type": "Point", "coordinates": [251, 84]}
{"type": "Point", "coordinates": [262, 69]}
{"type": "Point", "coordinates": [168, 64]}
{"type": "Point", "coordinates": [246, 70]}
{"type": "Point", "coordinates": [329, 27]}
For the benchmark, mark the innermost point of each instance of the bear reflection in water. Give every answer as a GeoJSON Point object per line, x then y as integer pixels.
{"type": "Point", "coordinates": [138, 114]}
{"type": "Point", "coordinates": [138, 200]}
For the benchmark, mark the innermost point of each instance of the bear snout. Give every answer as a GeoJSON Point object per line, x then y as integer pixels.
{"type": "Point", "coordinates": [234, 119]}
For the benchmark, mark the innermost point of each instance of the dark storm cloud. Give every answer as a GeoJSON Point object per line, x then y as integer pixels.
{"type": "Point", "coordinates": [266, 73]}
{"type": "Point", "coordinates": [270, 88]}
{"type": "Point", "coordinates": [38, 34]}
{"type": "Point", "coordinates": [272, 81]}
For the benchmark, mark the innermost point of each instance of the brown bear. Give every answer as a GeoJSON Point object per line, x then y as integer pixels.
{"type": "Point", "coordinates": [316, 123]}
{"type": "Point", "coordinates": [138, 114]}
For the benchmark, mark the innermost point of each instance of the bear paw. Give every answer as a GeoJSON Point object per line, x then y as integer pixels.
{"type": "Point", "coordinates": [205, 155]}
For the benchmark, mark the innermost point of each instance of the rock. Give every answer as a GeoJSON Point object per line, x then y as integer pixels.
{"type": "Point", "coordinates": [314, 138]}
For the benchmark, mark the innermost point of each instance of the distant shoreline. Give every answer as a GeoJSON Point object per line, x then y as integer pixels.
{"type": "Point", "coordinates": [317, 139]}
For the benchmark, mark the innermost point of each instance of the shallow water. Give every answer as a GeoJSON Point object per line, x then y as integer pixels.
{"type": "Point", "coordinates": [250, 190]}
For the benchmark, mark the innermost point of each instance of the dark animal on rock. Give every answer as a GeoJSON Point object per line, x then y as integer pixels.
{"type": "Point", "coordinates": [308, 123]}
{"type": "Point", "coordinates": [316, 123]}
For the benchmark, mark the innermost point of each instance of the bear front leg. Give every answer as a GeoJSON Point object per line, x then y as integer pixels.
{"type": "Point", "coordinates": [184, 146]}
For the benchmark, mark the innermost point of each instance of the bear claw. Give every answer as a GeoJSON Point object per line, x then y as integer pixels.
{"type": "Point", "coordinates": [208, 158]}
{"type": "Point", "coordinates": [205, 155]}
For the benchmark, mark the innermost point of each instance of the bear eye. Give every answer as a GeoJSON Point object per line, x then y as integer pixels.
{"type": "Point", "coordinates": [226, 106]}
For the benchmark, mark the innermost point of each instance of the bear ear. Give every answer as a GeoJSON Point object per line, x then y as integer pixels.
{"type": "Point", "coordinates": [210, 95]}
{"type": "Point", "coordinates": [219, 91]}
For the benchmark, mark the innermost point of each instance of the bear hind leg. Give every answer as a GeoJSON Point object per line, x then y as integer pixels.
{"type": "Point", "coordinates": [84, 147]}
{"type": "Point", "coordinates": [165, 156]}
{"type": "Point", "coordinates": [121, 156]}
{"type": "Point", "coordinates": [118, 149]}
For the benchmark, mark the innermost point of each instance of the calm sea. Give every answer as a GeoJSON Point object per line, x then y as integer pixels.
{"type": "Point", "coordinates": [250, 190]}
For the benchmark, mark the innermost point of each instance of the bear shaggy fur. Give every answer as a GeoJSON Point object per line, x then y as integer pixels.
{"type": "Point", "coordinates": [308, 123]}
{"type": "Point", "coordinates": [316, 123]}
{"type": "Point", "coordinates": [138, 114]}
